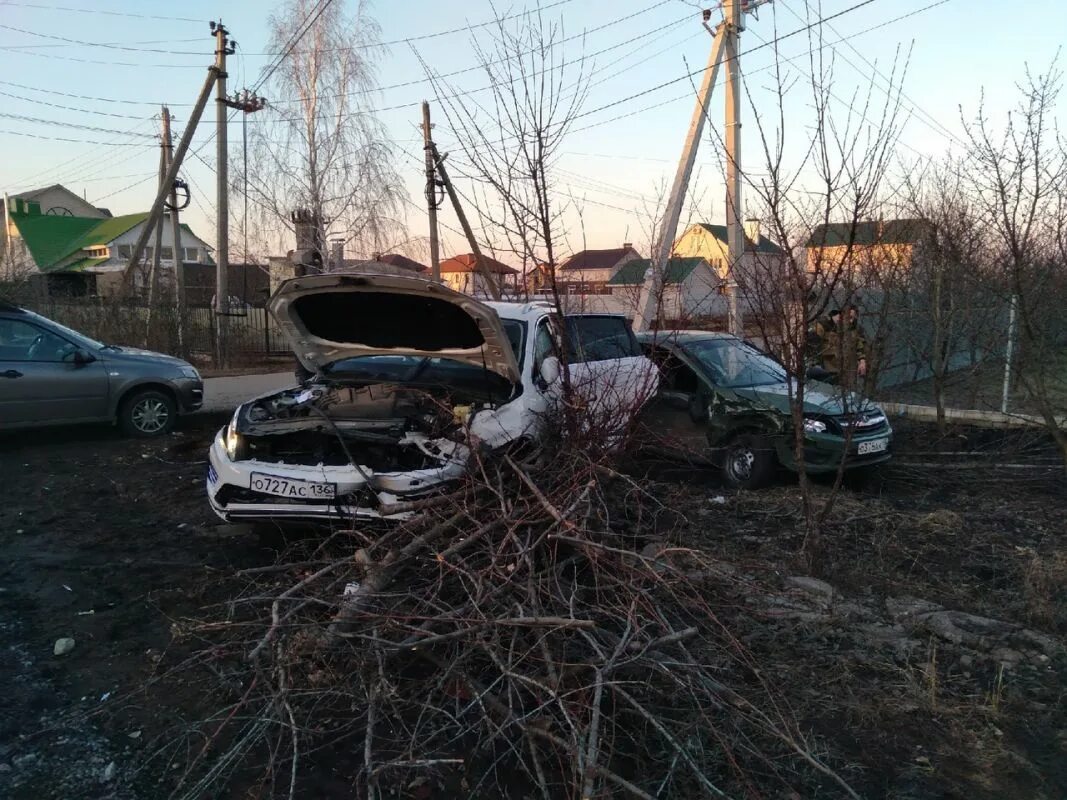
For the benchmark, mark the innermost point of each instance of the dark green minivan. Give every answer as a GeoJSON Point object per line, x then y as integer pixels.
{"type": "Point", "coordinates": [725, 390]}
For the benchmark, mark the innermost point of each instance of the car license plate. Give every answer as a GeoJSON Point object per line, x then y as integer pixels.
{"type": "Point", "coordinates": [292, 487]}
{"type": "Point", "coordinates": [873, 446]}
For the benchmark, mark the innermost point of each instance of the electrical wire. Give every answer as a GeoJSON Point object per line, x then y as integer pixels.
{"type": "Point", "coordinates": [76, 125]}
{"type": "Point", "coordinates": [926, 118]}
{"type": "Point", "coordinates": [97, 11]}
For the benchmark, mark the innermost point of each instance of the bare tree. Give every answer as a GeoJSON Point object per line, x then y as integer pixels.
{"type": "Point", "coordinates": [1018, 177]}
{"type": "Point", "coordinates": [319, 146]}
{"type": "Point", "coordinates": [511, 140]}
{"type": "Point", "coordinates": [817, 221]}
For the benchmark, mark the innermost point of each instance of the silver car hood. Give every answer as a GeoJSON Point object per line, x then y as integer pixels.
{"type": "Point", "coordinates": [342, 315]}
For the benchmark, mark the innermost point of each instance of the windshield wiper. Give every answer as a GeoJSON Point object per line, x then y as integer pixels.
{"type": "Point", "coordinates": [114, 347]}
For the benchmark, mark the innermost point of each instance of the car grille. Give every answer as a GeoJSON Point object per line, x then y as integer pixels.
{"type": "Point", "coordinates": [865, 423]}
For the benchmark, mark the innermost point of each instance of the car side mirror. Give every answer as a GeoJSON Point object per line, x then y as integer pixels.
{"type": "Point", "coordinates": [550, 370]}
{"type": "Point", "coordinates": [82, 357]}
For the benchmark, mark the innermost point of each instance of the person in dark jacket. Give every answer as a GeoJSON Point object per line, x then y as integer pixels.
{"type": "Point", "coordinates": [836, 344]}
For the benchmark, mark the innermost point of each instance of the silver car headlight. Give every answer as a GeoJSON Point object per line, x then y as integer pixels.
{"type": "Point", "coordinates": [189, 372]}
{"type": "Point", "coordinates": [814, 425]}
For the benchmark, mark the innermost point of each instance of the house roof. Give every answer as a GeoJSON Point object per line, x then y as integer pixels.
{"type": "Point", "coordinates": [633, 272]}
{"type": "Point", "coordinates": [397, 260]}
{"type": "Point", "coordinates": [890, 231]}
{"type": "Point", "coordinates": [597, 259]}
{"type": "Point", "coordinates": [52, 239]}
{"type": "Point", "coordinates": [466, 263]}
{"type": "Point", "coordinates": [765, 245]}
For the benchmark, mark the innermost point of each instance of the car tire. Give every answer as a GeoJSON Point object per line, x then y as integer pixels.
{"type": "Point", "coordinates": [148, 413]}
{"type": "Point", "coordinates": [748, 461]}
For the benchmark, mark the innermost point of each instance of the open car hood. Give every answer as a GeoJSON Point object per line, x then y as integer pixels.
{"type": "Point", "coordinates": [343, 315]}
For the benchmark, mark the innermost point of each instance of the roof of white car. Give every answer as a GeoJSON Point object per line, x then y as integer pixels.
{"type": "Point", "coordinates": [520, 311]}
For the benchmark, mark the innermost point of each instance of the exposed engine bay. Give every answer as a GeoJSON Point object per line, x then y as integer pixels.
{"type": "Point", "coordinates": [383, 427]}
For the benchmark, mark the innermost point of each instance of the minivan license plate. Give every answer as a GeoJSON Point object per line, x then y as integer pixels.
{"type": "Point", "coordinates": [292, 487]}
{"type": "Point", "coordinates": [873, 446]}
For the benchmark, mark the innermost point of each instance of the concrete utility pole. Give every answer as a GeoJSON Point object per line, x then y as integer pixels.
{"type": "Point", "coordinates": [431, 192]}
{"type": "Point", "coordinates": [723, 46]}
{"type": "Point", "coordinates": [153, 276]}
{"type": "Point", "coordinates": [249, 103]}
{"type": "Point", "coordinates": [487, 276]}
{"type": "Point", "coordinates": [734, 23]}
{"type": "Point", "coordinates": [167, 184]}
{"type": "Point", "coordinates": [223, 48]}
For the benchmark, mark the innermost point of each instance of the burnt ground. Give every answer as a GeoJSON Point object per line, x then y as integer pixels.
{"type": "Point", "coordinates": [869, 634]}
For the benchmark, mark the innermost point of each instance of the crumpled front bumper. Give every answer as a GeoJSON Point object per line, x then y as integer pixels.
{"type": "Point", "coordinates": [232, 498]}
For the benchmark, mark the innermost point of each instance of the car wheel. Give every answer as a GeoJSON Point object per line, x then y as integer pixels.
{"type": "Point", "coordinates": [148, 413]}
{"type": "Point", "coordinates": [749, 461]}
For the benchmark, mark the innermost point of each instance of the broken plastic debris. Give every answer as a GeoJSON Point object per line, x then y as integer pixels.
{"type": "Point", "coordinates": [63, 646]}
{"type": "Point", "coordinates": [718, 500]}
{"type": "Point", "coordinates": [304, 396]}
{"type": "Point", "coordinates": [66, 587]}
{"type": "Point", "coordinates": [105, 696]}
{"type": "Point", "coordinates": [86, 613]}
{"type": "Point", "coordinates": [351, 589]}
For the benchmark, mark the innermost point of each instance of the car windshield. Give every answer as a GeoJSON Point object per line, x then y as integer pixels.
{"type": "Point", "coordinates": [733, 364]}
{"type": "Point", "coordinates": [424, 371]}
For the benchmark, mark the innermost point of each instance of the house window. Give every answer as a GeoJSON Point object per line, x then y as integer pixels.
{"type": "Point", "coordinates": [192, 254]}
{"type": "Point", "coordinates": [166, 253]}
{"type": "Point", "coordinates": [125, 250]}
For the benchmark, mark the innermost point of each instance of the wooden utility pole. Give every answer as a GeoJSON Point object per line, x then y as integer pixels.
{"type": "Point", "coordinates": [176, 242]}
{"type": "Point", "coordinates": [431, 192]}
{"type": "Point", "coordinates": [487, 276]}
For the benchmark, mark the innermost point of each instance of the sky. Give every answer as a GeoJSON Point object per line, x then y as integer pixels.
{"type": "Point", "coordinates": [81, 82]}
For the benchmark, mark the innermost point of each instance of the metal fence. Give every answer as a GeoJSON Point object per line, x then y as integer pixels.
{"type": "Point", "coordinates": [251, 334]}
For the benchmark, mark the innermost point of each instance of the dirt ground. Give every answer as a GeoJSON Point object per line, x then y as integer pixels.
{"type": "Point", "coordinates": [920, 645]}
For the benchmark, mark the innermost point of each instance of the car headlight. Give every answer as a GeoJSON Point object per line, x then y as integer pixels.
{"type": "Point", "coordinates": [231, 439]}
{"type": "Point", "coordinates": [189, 372]}
{"type": "Point", "coordinates": [814, 426]}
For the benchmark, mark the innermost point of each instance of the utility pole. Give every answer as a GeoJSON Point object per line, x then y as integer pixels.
{"type": "Point", "coordinates": [734, 23]}
{"type": "Point", "coordinates": [176, 240]}
{"type": "Point", "coordinates": [223, 47]}
{"type": "Point", "coordinates": [723, 47]}
{"type": "Point", "coordinates": [487, 276]}
{"type": "Point", "coordinates": [153, 276]}
{"type": "Point", "coordinates": [431, 192]}
{"type": "Point", "coordinates": [249, 103]}
{"type": "Point", "coordinates": [167, 184]}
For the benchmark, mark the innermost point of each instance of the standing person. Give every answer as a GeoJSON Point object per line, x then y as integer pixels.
{"type": "Point", "coordinates": [837, 344]}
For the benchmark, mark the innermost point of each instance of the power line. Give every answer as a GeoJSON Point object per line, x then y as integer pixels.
{"type": "Point", "coordinates": [927, 119]}
{"type": "Point", "coordinates": [76, 125]}
{"type": "Point", "coordinates": [312, 18]}
{"type": "Point", "coordinates": [84, 43]}
{"type": "Point", "coordinates": [76, 141]}
{"type": "Point", "coordinates": [88, 96]}
{"type": "Point", "coordinates": [146, 179]}
{"type": "Point", "coordinates": [97, 11]}
{"type": "Point", "coordinates": [514, 57]}
{"type": "Point", "coordinates": [71, 108]}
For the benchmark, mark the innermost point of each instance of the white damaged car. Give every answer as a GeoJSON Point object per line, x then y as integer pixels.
{"type": "Point", "coordinates": [408, 376]}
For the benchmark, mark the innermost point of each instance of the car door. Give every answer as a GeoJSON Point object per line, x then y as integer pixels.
{"type": "Point", "coordinates": [607, 369]}
{"type": "Point", "coordinates": [40, 380]}
{"type": "Point", "coordinates": [672, 417]}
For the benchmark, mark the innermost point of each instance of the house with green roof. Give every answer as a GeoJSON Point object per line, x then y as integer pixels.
{"type": "Point", "coordinates": [86, 254]}
{"type": "Point", "coordinates": [690, 286]}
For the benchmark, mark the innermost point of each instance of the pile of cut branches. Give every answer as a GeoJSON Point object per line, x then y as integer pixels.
{"type": "Point", "coordinates": [524, 636]}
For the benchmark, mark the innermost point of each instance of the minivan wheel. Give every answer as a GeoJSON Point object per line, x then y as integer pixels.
{"type": "Point", "coordinates": [148, 413]}
{"type": "Point", "coordinates": [748, 461]}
